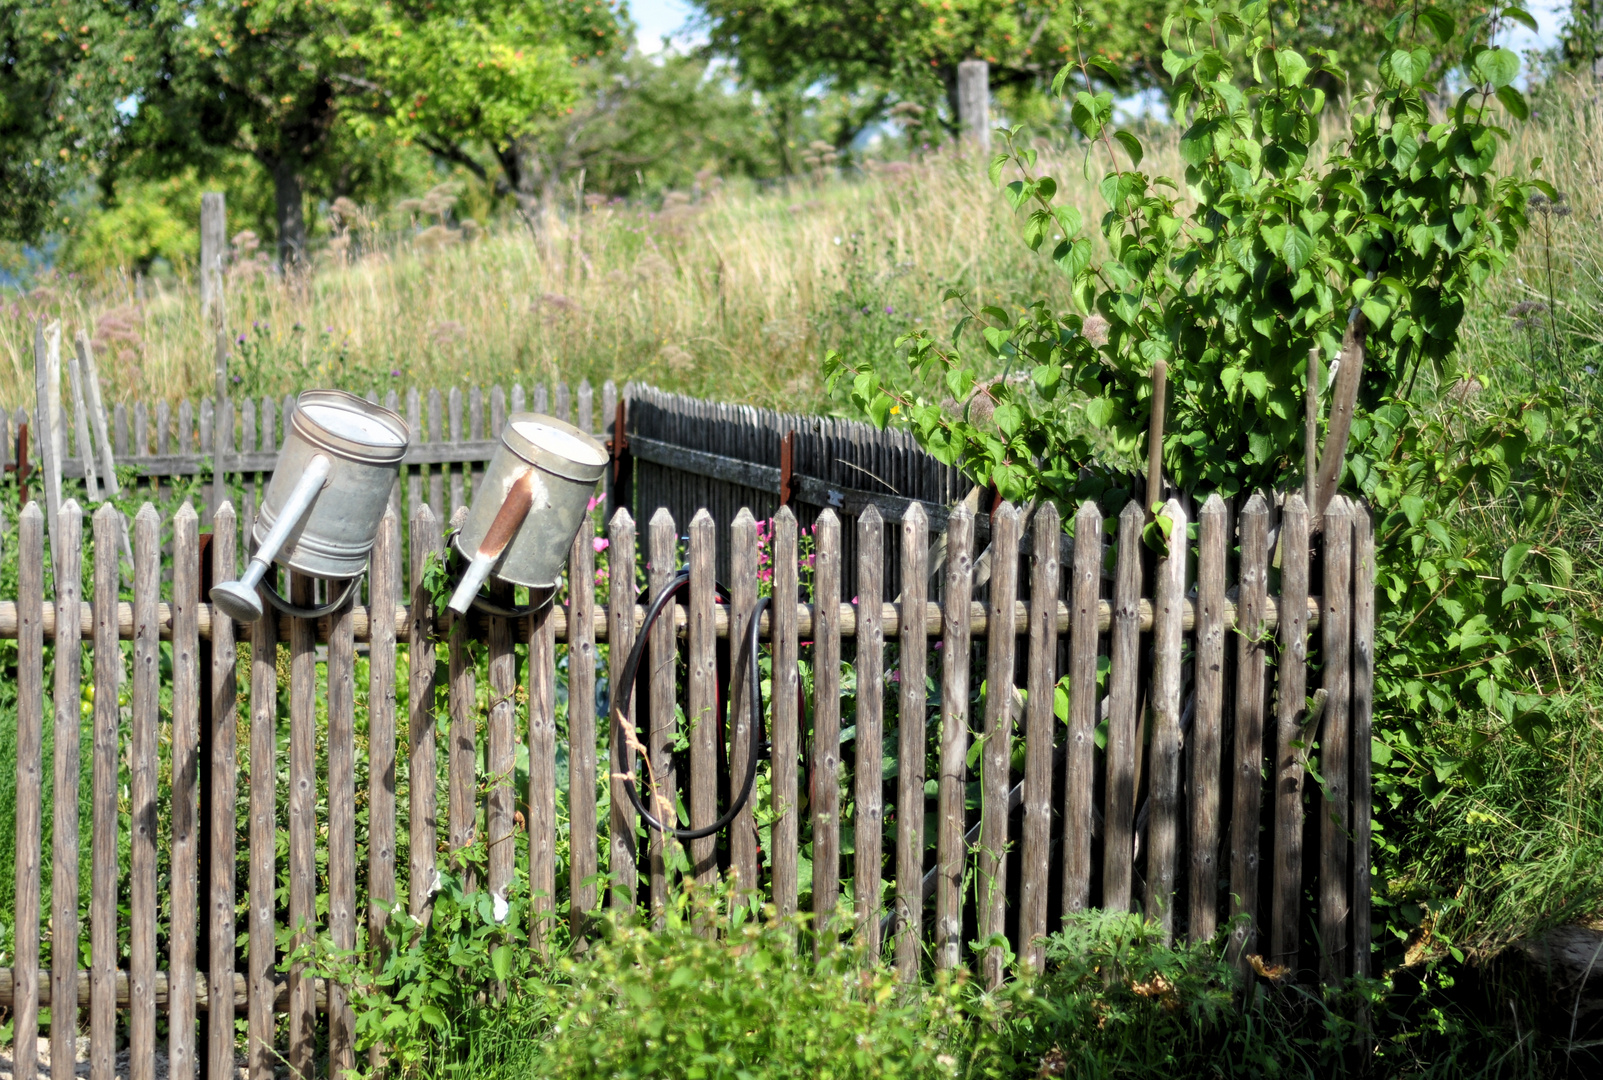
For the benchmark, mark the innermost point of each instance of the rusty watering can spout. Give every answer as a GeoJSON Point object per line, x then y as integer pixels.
{"type": "Point", "coordinates": [534, 500]}
{"type": "Point", "coordinates": [239, 599]}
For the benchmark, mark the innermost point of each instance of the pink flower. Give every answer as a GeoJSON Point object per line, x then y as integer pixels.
{"type": "Point", "coordinates": [600, 543]}
{"type": "Point", "coordinates": [595, 502]}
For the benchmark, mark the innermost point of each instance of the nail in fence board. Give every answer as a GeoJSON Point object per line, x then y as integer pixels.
{"type": "Point", "coordinates": [826, 719]}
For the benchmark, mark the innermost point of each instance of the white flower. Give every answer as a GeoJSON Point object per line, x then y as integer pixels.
{"type": "Point", "coordinates": [500, 907]}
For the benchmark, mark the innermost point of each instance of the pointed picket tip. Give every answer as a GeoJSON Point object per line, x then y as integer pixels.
{"type": "Point", "coordinates": [1046, 515]}
{"type": "Point", "coordinates": [702, 519]}
{"type": "Point", "coordinates": [107, 512]}
{"type": "Point", "coordinates": [1174, 510]}
{"type": "Point", "coordinates": [915, 517]}
{"type": "Point", "coordinates": [785, 516]}
{"type": "Point", "coordinates": [227, 507]}
{"type": "Point", "coordinates": [661, 518]}
{"type": "Point", "coordinates": [871, 518]}
{"type": "Point", "coordinates": [146, 513]}
{"type": "Point", "coordinates": [1133, 511]}
{"type": "Point", "coordinates": [186, 513]}
{"type": "Point", "coordinates": [744, 519]}
{"type": "Point", "coordinates": [1006, 512]}
{"type": "Point", "coordinates": [1215, 505]}
{"type": "Point", "coordinates": [70, 508]}
{"type": "Point", "coordinates": [1340, 507]}
{"type": "Point", "coordinates": [1256, 505]}
{"type": "Point", "coordinates": [422, 514]}
{"type": "Point", "coordinates": [621, 519]}
{"type": "Point", "coordinates": [1088, 514]}
{"type": "Point", "coordinates": [1295, 503]}
{"type": "Point", "coordinates": [962, 510]}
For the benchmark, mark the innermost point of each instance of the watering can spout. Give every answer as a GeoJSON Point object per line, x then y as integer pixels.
{"type": "Point", "coordinates": [238, 599]}
{"type": "Point", "coordinates": [519, 499]}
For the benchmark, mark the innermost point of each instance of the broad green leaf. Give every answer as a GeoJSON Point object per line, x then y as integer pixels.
{"type": "Point", "coordinates": [1513, 559]}
{"type": "Point", "coordinates": [1499, 67]}
{"type": "Point", "coordinates": [501, 961]}
{"type": "Point", "coordinates": [1413, 508]}
{"type": "Point", "coordinates": [1256, 384]}
{"type": "Point", "coordinates": [1132, 146]}
{"type": "Point", "coordinates": [1297, 248]}
{"type": "Point", "coordinates": [1514, 102]}
{"type": "Point", "coordinates": [1293, 68]}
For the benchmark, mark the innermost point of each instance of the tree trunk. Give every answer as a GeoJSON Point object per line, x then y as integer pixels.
{"type": "Point", "coordinates": [289, 193]}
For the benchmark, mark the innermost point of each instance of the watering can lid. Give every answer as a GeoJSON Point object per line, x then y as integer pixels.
{"type": "Point", "coordinates": [555, 446]}
{"type": "Point", "coordinates": [351, 427]}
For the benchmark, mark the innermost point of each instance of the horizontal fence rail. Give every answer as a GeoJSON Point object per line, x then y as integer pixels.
{"type": "Point", "coordinates": [1091, 724]}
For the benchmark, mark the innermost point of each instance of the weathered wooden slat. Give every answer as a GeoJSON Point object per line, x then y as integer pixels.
{"type": "Point", "coordinates": [461, 754]}
{"type": "Point", "coordinates": [66, 754]}
{"type": "Point", "coordinates": [384, 589]}
{"type": "Point", "coordinates": [542, 799]}
{"type": "Point", "coordinates": [1163, 824]}
{"type": "Point", "coordinates": [584, 858]}
{"type": "Point", "coordinates": [826, 720]}
{"type": "Point", "coordinates": [498, 410]}
{"type": "Point", "coordinates": [955, 643]}
{"type": "Point", "coordinates": [1123, 683]}
{"type": "Point", "coordinates": [143, 737]}
{"type": "Point", "coordinates": [1247, 755]}
{"type": "Point", "coordinates": [1290, 711]}
{"type": "Point", "coordinates": [30, 778]}
{"type": "Point", "coordinates": [1034, 855]}
{"type": "Point", "coordinates": [1213, 540]}
{"type": "Point", "coordinates": [455, 406]}
{"type": "Point", "coordinates": [742, 601]}
{"type": "Point", "coordinates": [342, 912]}
{"type": "Point", "coordinates": [224, 765]}
{"type": "Point", "coordinates": [1079, 766]}
{"type": "Point", "coordinates": [868, 775]}
{"type": "Point", "coordinates": [1363, 706]}
{"type": "Point", "coordinates": [622, 847]}
{"type": "Point", "coordinates": [661, 566]}
{"type": "Point", "coordinates": [913, 712]}
{"type": "Point", "coordinates": [414, 472]}
{"type": "Point", "coordinates": [302, 825]}
{"type": "Point", "coordinates": [422, 765]}
{"type": "Point", "coordinates": [702, 687]}
{"type": "Point", "coordinates": [261, 1056]}
{"type": "Point", "coordinates": [786, 735]}
{"type": "Point", "coordinates": [106, 871]}
{"type": "Point", "coordinates": [185, 806]}
{"type": "Point", "coordinates": [997, 753]}
{"type": "Point", "coordinates": [1335, 746]}
{"type": "Point", "coordinates": [437, 474]}
{"type": "Point", "coordinates": [501, 731]}
{"type": "Point", "coordinates": [585, 421]}
{"type": "Point", "coordinates": [476, 429]}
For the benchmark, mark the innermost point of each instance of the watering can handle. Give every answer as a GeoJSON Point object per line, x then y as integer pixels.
{"type": "Point", "coordinates": [519, 500]}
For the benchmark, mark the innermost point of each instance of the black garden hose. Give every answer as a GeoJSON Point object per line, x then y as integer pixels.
{"type": "Point", "coordinates": [624, 695]}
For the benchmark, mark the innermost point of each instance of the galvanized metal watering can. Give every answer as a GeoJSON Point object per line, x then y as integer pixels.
{"type": "Point", "coordinates": [321, 513]}
{"type": "Point", "coordinates": [531, 504]}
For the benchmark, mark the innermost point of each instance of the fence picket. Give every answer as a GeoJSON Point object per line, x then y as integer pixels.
{"type": "Point", "coordinates": [1363, 704]}
{"type": "Point", "coordinates": [542, 812]}
{"type": "Point", "coordinates": [414, 473]}
{"type": "Point", "coordinates": [30, 767]}
{"type": "Point", "coordinates": [1123, 688]}
{"type": "Point", "coordinates": [1335, 747]}
{"type": "Point", "coordinates": [64, 834]}
{"type": "Point", "coordinates": [582, 845]}
{"type": "Point", "coordinates": [1164, 769]}
{"type": "Point", "coordinates": [461, 752]}
{"type": "Point", "coordinates": [1039, 724]}
{"type": "Point", "coordinates": [913, 721]}
{"type": "Point", "coordinates": [1290, 712]}
{"type": "Point", "coordinates": [142, 793]}
{"type": "Point", "coordinates": [422, 765]}
{"type": "Point", "coordinates": [997, 754]}
{"type": "Point", "coordinates": [868, 817]}
{"type": "Point", "coordinates": [702, 688]}
{"type": "Point", "coordinates": [950, 846]}
{"type": "Point", "coordinates": [742, 601]}
{"type": "Point", "coordinates": [454, 403]}
{"type": "Point", "coordinates": [826, 720]}
{"type": "Point", "coordinates": [1252, 604]}
{"type": "Point", "coordinates": [662, 564]}
{"type": "Point", "coordinates": [261, 1027]}
{"type": "Point", "coordinates": [436, 473]}
{"type": "Point", "coordinates": [224, 766]}
{"type": "Point", "coordinates": [501, 745]}
{"type": "Point", "coordinates": [1212, 544]}
{"type": "Point", "coordinates": [623, 853]}
{"type": "Point", "coordinates": [586, 398]}
{"type": "Point", "coordinates": [302, 824]}
{"type": "Point", "coordinates": [476, 431]}
{"type": "Point", "coordinates": [106, 872]}
{"type": "Point", "coordinates": [342, 914]}
{"type": "Point", "coordinates": [786, 735]}
{"type": "Point", "coordinates": [383, 592]}
{"type": "Point", "coordinates": [185, 805]}
{"type": "Point", "coordinates": [1079, 783]}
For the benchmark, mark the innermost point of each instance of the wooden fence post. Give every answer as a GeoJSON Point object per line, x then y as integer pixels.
{"type": "Point", "coordinates": [422, 765]}
{"type": "Point", "coordinates": [142, 794]}
{"type": "Point", "coordinates": [786, 735]}
{"type": "Point", "coordinates": [583, 856]}
{"type": "Point", "coordinates": [622, 846]}
{"type": "Point", "coordinates": [30, 780]}
{"type": "Point", "coordinates": [1252, 640]}
{"type": "Point", "coordinates": [261, 1055]}
{"type": "Point", "coordinates": [342, 911]}
{"type": "Point", "coordinates": [868, 820]}
{"type": "Point", "coordinates": [1035, 853]}
{"type": "Point", "coordinates": [1212, 549]}
{"type": "Point", "coordinates": [702, 687]}
{"type": "Point", "coordinates": [185, 790]}
{"type": "Point", "coordinates": [826, 722]}
{"type": "Point", "coordinates": [1290, 711]}
{"type": "Point", "coordinates": [662, 563]}
{"type": "Point", "coordinates": [1079, 767]}
{"type": "Point", "coordinates": [997, 753]}
{"type": "Point", "coordinates": [106, 871]}
{"type": "Point", "coordinates": [68, 732]}
{"type": "Point", "coordinates": [974, 102]}
{"type": "Point", "coordinates": [1363, 706]}
{"type": "Point", "coordinates": [913, 723]}
{"type": "Point", "coordinates": [1335, 745]}
{"type": "Point", "coordinates": [1163, 783]}
{"type": "Point", "coordinates": [742, 745]}
{"type": "Point", "coordinates": [224, 766]}
{"type": "Point", "coordinates": [1118, 836]}
{"type": "Point", "coordinates": [213, 252]}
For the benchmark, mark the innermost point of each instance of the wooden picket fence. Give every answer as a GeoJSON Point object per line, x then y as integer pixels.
{"type": "Point", "coordinates": [1176, 787]}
